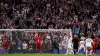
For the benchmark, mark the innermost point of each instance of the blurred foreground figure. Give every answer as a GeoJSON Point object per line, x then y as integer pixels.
{"type": "Point", "coordinates": [89, 47]}
{"type": "Point", "coordinates": [70, 47]}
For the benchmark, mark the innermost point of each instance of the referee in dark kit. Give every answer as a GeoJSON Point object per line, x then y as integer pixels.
{"type": "Point", "coordinates": [75, 43]}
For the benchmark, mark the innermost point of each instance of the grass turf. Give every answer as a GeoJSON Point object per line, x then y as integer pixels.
{"type": "Point", "coordinates": [45, 55]}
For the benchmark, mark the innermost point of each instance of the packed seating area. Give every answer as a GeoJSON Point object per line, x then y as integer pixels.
{"type": "Point", "coordinates": [81, 16]}
{"type": "Point", "coordinates": [45, 14]}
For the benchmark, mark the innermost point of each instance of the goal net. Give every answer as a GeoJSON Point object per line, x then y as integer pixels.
{"type": "Point", "coordinates": [47, 35]}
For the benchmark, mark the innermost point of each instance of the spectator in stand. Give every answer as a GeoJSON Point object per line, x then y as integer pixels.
{"type": "Point", "coordinates": [19, 46]}
{"type": "Point", "coordinates": [5, 43]}
{"type": "Point", "coordinates": [31, 45]}
{"type": "Point", "coordinates": [13, 47]}
{"type": "Point", "coordinates": [24, 47]}
{"type": "Point", "coordinates": [30, 14]}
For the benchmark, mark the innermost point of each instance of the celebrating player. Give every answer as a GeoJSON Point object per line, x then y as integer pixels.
{"type": "Point", "coordinates": [88, 44]}
{"type": "Point", "coordinates": [70, 47]}
{"type": "Point", "coordinates": [5, 43]}
{"type": "Point", "coordinates": [38, 44]}
{"type": "Point", "coordinates": [81, 45]}
{"type": "Point", "coordinates": [65, 42]}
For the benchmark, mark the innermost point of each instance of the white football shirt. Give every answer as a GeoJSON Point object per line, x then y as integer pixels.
{"type": "Point", "coordinates": [89, 42]}
{"type": "Point", "coordinates": [82, 43]}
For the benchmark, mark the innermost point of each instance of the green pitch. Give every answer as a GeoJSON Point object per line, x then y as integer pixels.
{"type": "Point", "coordinates": [45, 55]}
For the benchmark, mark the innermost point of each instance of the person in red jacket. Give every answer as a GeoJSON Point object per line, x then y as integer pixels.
{"type": "Point", "coordinates": [94, 45]}
{"type": "Point", "coordinates": [38, 44]}
{"type": "Point", "coordinates": [5, 43]}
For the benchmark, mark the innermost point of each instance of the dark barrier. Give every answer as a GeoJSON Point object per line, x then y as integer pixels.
{"type": "Point", "coordinates": [61, 51]}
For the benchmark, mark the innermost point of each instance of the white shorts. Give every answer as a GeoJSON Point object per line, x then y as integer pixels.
{"type": "Point", "coordinates": [81, 47]}
{"type": "Point", "coordinates": [70, 47]}
{"type": "Point", "coordinates": [88, 46]}
{"type": "Point", "coordinates": [65, 47]}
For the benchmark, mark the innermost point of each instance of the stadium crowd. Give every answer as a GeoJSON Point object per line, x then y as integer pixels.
{"type": "Point", "coordinates": [82, 16]}
{"type": "Point", "coordinates": [45, 14]}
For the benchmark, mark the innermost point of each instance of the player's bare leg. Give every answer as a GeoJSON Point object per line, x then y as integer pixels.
{"type": "Point", "coordinates": [67, 51]}
{"type": "Point", "coordinates": [90, 51]}
{"type": "Point", "coordinates": [86, 51]}
{"type": "Point", "coordinates": [72, 51]}
{"type": "Point", "coordinates": [94, 50]}
{"type": "Point", "coordinates": [2, 50]}
{"type": "Point", "coordinates": [79, 49]}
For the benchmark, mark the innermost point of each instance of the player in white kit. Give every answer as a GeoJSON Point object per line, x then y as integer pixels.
{"type": "Point", "coordinates": [65, 42]}
{"type": "Point", "coordinates": [81, 45]}
{"type": "Point", "coordinates": [0, 42]}
{"type": "Point", "coordinates": [88, 45]}
{"type": "Point", "coordinates": [70, 47]}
